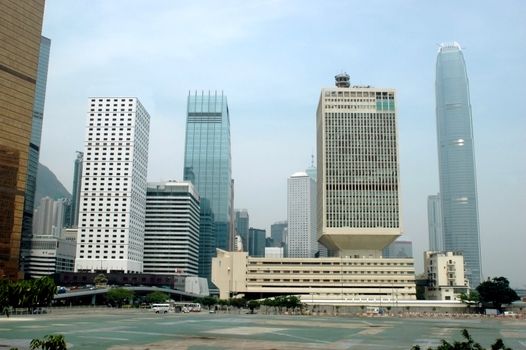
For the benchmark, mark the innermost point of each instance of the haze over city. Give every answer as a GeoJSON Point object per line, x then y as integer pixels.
{"type": "Point", "coordinates": [271, 58]}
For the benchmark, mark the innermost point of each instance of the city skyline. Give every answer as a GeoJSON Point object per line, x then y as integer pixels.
{"type": "Point", "coordinates": [273, 126]}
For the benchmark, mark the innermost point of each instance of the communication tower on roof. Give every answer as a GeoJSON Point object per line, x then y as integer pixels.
{"type": "Point", "coordinates": [342, 80]}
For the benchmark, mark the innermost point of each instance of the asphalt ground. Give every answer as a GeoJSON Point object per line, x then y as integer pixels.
{"type": "Point", "coordinates": [142, 329]}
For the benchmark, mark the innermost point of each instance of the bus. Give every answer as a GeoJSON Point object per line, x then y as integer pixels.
{"type": "Point", "coordinates": [186, 307]}
{"type": "Point", "coordinates": [160, 308]}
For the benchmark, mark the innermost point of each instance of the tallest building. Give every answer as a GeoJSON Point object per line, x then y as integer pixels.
{"type": "Point", "coordinates": [456, 160]}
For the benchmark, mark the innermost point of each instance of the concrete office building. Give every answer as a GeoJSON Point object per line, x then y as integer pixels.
{"type": "Point", "coordinates": [301, 216]}
{"type": "Point", "coordinates": [352, 280]}
{"type": "Point", "coordinates": [171, 236]}
{"type": "Point", "coordinates": [358, 167]}
{"type": "Point", "coordinates": [49, 255]}
{"type": "Point", "coordinates": [208, 165]}
{"type": "Point", "coordinates": [358, 210]}
{"type": "Point", "coordinates": [274, 252]}
{"type": "Point", "coordinates": [256, 242]}
{"type": "Point", "coordinates": [113, 189]}
{"type": "Point", "coordinates": [456, 159]}
{"type": "Point", "coordinates": [20, 31]}
{"type": "Point", "coordinates": [446, 275]}
{"type": "Point", "coordinates": [434, 223]}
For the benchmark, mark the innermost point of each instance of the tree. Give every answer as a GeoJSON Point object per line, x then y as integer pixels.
{"type": "Point", "coordinates": [468, 344]}
{"type": "Point", "coordinates": [119, 296]}
{"type": "Point", "coordinates": [470, 298]}
{"type": "Point", "coordinates": [100, 279]}
{"type": "Point", "coordinates": [497, 292]}
{"type": "Point", "coordinates": [49, 342]}
{"type": "Point", "coordinates": [156, 297]}
{"type": "Point", "coordinates": [253, 304]}
{"type": "Point", "coordinates": [27, 293]}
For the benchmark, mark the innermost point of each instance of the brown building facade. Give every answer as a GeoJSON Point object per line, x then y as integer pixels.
{"type": "Point", "coordinates": [20, 31]}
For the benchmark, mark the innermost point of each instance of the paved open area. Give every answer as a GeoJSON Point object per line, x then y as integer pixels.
{"type": "Point", "coordinates": [141, 329]}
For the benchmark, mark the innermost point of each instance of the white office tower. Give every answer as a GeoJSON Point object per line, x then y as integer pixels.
{"type": "Point", "coordinates": [171, 237]}
{"type": "Point", "coordinates": [358, 181]}
{"type": "Point", "coordinates": [113, 188]}
{"type": "Point", "coordinates": [301, 216]}
{"type": "Point", "coordinates": [434, 223]}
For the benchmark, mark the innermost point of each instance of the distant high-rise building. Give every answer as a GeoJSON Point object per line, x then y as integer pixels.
{"type": "Point", "coordinates": [36, 133]}
{"type": "Point", "coordinates": [113, 189]}
{"type": "Point", "coordinates": [208, 165]}
{"type": "Point", "coordinates": [301, 216]}
{"type": "Point", "coordinates": [398, 249]}
{"type": "Point", "coordinates": [75, 195]}
{"type": "Point", "coordinates": [171, 236]}
{"type": "Point", "coordinates": [358, 167]}
{"type": "Point", "coordinates": [456, 160]}
{"type": "Point", "coordinates": [256, 242]}
{"type": "Point", "coordinates": [278, 232]}
{"type": "Point", "coordinates": [49, 217]}
{"type": "Point", "coordinates": [242, 224]}
{"type": "Point", "coordinates": [20, 35]}
{"type": "Point", "coordinates": [434, 223]}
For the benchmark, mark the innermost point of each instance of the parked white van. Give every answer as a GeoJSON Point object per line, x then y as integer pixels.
{"type": "Point", "coordinates": [161, 308]}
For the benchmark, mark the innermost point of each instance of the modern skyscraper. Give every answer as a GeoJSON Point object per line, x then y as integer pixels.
{"type": "Point", "coordinates": [456, 160]}
{"type": "Point", "coordinates": [34, 144]}
{"type": "Point", "coordinates": [75, 195]}
{"type": "Point", "coordinates": [20, 35]}
{"type": "Point", "coordinates": [301, 216]}
{"type": "Point", "coordinates": [171, 236]}
{"type": "Point", "coordinates": [208, 165]}
{"type": "Point", "coordinates": [434, 223]}
{"type": "Point", "coordinates": [358, 181]}
{"type": "Point", "coordinates": [278, 233]}
{"type": "Point", "coordinates": [113, 189]}
{"type": "Point", "coordinates": [398, 249]}
{"type": "Point", "coordinates": [256, 242]}
{"type": "Point", "coordinates": [242, 224]}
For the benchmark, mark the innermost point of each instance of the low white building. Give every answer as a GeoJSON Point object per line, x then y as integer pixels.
{"type": "Point", "coordinates": [49, 254]}
{"type": "Point", "coordinates": [446, 275]}
{"type": "Point", "coordinates": [341, 278]}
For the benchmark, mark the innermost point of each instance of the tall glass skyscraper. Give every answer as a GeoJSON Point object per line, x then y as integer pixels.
{"type": "Point", "coordinates": [208, 165]}
{"type": "Point", "coordinates": [34, 145]}
{"type": "Point", "coordinates": [456, 161]}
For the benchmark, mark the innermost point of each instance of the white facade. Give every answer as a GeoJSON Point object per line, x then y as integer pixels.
{"type": "Point", "coordinates": [301, 216]}
{"type": "Point", "coordinates": [171, 237]}
{"type": "Point", "coordinates": [50, 254]}
{"type": "Point", "coordinates": [274, 252]}
{"type": "Point", "coordinates": [358, 169]}
{"type": "Point", "coordinates": [349, 279]}
{"type": "Point", "coordinates": [446, 275]}
{"type": "Point", "coordinates": [434, 222]}
{"type": "Point", "coordinates": [48, 218]}
{"type": "Point", "coordinates": [113, 188]}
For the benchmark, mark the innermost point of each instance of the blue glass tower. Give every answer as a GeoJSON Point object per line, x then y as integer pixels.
{"type": "Point", "coordinates": [34, 145]}
{"type": "Point", "coordinates": [456, 160]}
{"type": "Point", "coordinates": [208, 165]}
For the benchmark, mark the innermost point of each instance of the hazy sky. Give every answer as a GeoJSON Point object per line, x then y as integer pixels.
{"type": "Point", "coordinates": [271, 58]}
